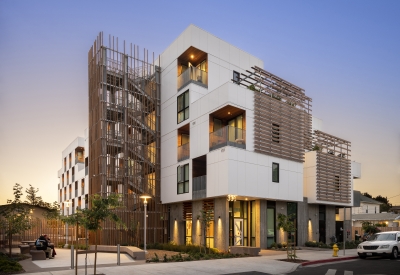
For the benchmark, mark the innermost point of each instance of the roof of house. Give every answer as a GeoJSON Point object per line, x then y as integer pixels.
{"type": "Point", "coordinates": [358, 198]}
{"type": "Point", "coordinates": [376, 217]}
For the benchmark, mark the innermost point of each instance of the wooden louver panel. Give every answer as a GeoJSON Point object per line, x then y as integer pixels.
{"type": "Point", "coordinates": [333, 168]}
{"type": "Point", "coordinates": [282, 115]}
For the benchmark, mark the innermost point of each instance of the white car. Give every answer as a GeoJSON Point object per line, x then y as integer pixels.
{"type": "Point", "coordinates": [380, 244]}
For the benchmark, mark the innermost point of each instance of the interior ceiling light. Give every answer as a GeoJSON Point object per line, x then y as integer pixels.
{"type": "Point", "coordinates": [229, 113]}
{"type": "Point", "coordinates": [191, 56]}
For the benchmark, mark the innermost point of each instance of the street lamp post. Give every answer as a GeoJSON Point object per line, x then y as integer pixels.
{"type": "Point", "coordinates": [145, 197]}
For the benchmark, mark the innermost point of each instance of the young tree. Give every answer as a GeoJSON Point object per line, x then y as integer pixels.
{"type": "Point", "coordinates": [101, 209]}
{"type": "Point", "coordinates": [287, 224]}
{"type": "Point", "coordinates": [31, 196]}
{"type": "Point", "coordinates": [76, 219]}
{"type": "Point", "coordinates": [205, 219]}
{"type": "Point", "coordinates": [17, 194]}
{"type": "Point", "coordinates": [369, 228]}
{"type": "Point", "coordinates": [14, 219]}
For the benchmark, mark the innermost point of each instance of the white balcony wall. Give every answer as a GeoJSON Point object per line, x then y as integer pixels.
{"type": "Point", "coordinates": [243, 173]}
{"type": "Point", "coordinates": [355, 170]}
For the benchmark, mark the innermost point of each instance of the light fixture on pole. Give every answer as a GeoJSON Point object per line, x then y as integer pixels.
{"type": "Point", "coordinates": [145, 197]}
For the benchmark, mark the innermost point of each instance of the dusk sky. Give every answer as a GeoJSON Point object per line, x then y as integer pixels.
{"type": "Point", "coordinates": [345, 54]}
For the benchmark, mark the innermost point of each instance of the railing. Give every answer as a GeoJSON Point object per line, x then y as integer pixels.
{"type": "Point", "coordinates": [228, 136]}
{"type": "Point", "coordinates": [193, 75]}
{"type": "Point", "coordinates": [184, 151]}
{"type": "Point", "coordinates": [86, 170]}
{"type": "Point", "coordinates": [82, 190]}
{"type": "Point", "coordinates": [114, 135]}
{"type": "Point", "coordinates": [76, 192]}
{"type": "Point", "coordinates": [73, 178]}
{"type": "Point", "coordinates": [79, 160]}
{"type": "Point", "coordinates": [199, 187]}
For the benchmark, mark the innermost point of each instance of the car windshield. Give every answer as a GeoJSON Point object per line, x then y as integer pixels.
{"type": "Point", "coordinates": [383, 237]}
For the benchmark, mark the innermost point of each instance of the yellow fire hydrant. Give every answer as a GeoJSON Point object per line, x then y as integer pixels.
{"type": "Point", "coordinates": [335, 250]}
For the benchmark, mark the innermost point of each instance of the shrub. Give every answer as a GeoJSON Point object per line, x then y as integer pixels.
{"type": "Point", "coordinates": [7, 265]}
{"type": "Point", "coordinates": [284, 244]}
{"type": "Point", "coordinates": [273, 245]}
{"type": "Point", "coordinates": [311, 244]}
{"type": "Point", "coordinates": [279, 245]}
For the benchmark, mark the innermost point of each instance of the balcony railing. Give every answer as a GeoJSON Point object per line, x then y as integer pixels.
{"type": "Point", "coordinates": [86, 170]}
{"type": "Point", "coordinates": [184, 151]}
{"type": "Point", "coordinates": [73, 178]}
{"type": "Point", "coordinates": [199, 188]}
{"type": "Point", "coordinates": [228, 136]}
{"type": "Point", "coordinates": [76, 192]}
{"type": "Point", "coordinates": [193, 75]}
{"type": "Point", "coordinates": [79, 160]}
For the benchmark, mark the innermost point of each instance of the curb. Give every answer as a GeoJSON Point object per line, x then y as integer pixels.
{"type": "Point", "coordinates": [329, 260]}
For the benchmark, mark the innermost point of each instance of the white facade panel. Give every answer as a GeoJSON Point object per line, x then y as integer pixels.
{"type": "Point", "coordinates": [355, 170]}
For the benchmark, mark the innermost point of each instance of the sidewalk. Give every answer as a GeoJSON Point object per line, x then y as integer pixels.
{"type": "Point", "coordinates": [268, 262]}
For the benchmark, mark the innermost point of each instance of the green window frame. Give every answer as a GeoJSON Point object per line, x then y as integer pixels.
{"type": "Point", "coordinates": [183, 179]}
{"type": "Point", "coordinates": [183, 107]}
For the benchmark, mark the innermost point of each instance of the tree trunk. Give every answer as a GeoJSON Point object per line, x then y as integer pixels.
{"type": "Point", "coordinates": [9, 238]}
{"type": "Point", "coordinates": [76, 250]}
{"type": "Point", "coordinates": [95, 251]}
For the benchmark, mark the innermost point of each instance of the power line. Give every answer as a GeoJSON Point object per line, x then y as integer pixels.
{"type": "Point", "coordinates": [394, 196]}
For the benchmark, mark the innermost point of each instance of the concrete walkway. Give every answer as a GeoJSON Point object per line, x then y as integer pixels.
{"type": "Point", "coordinates": [268, 263]}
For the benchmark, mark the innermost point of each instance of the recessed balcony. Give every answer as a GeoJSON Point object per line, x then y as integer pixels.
{"type": "Point", "coordinates": [193, 75]}
{"type": "Point", "coordinates": [183, 142]}
{"type": "Point", "coordinates": [192, 68]}
{"type": "Point", "coordinates": [228, 136]}
{"type": "Point", "coordinates": [183, 152]}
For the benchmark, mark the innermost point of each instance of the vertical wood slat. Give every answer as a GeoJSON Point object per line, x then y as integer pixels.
{"type": "Point", "coordinates": [124, 141]}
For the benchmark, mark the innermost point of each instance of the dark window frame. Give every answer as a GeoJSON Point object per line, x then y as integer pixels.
{"type": "Point", "coordinates": [184, 107]}
{"type": "Point", "coordinates": [236, 77]}
{"type": "Point", "coordinates": [183, 180]}
{"type": "Point", "coordinates": [275, 166]}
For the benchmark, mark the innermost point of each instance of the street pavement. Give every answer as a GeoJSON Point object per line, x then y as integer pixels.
{"type": "Point", "coordinates": [267, 263]}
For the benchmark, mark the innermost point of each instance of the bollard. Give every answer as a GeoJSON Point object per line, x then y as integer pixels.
{"type": "Point", "coordinates": [118, 254]}
{"type": "Point", "coordinates": [72, 257]}
{"type": "Point", "coordinates": [335, 250]}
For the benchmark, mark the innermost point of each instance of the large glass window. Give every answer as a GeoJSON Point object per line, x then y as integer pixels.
{"type": "Point", "coordinates": [235, 128]}
{"type": "Point", "coordinates": [270, 223]}
{"type": "Point", "coordinates": [183, 179]}
{"type": "Point", "coordinates": [183, 106]}
{"type": "Point", "coordinates": [275, 172]}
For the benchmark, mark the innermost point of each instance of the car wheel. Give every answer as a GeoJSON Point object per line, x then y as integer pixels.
{"type": "Point", "coordinates": [395, 253]}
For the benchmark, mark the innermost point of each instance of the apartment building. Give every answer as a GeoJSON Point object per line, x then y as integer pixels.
{"type": "Point", "coordinates": [204, 128]}
{"type": "Point", "coordinates": [73, 186]}
{"type": "Point", "coordinates": [239, 142]}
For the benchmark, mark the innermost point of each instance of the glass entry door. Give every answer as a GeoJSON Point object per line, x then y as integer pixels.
{"type": "Point", "coordinates": [238, 229]}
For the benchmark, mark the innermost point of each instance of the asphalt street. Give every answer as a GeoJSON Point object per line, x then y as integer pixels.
{"type": "Point", "coordinates": [369, 266]}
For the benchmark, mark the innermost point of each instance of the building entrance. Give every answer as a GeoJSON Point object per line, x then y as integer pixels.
{"type": "Point", "coordinates": [238, 224]}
